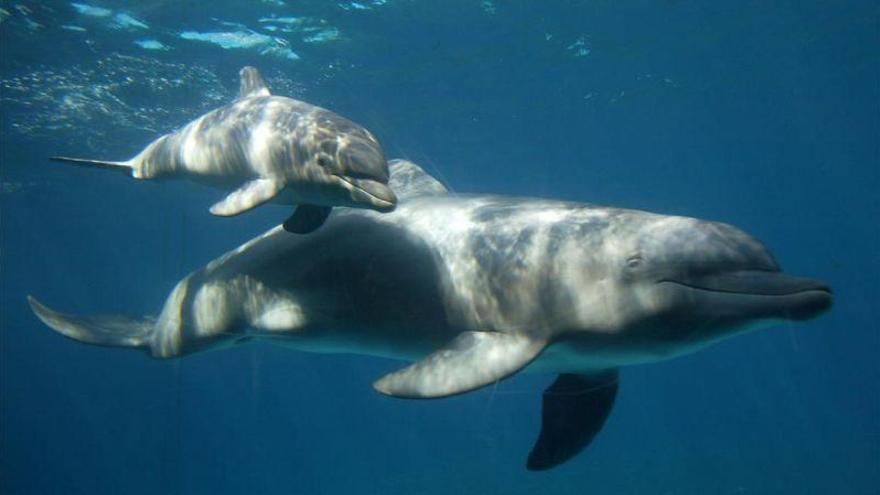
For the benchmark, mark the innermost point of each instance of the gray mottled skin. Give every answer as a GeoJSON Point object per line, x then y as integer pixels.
{"type": "Point", "coordinates": [598, 287]}
{"type": "Point", "coordinates": [474, 289]}
{"type": "Point", "coordinates": [269, 148]}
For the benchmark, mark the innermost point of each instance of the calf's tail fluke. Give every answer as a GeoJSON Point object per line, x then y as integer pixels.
{"type": "Point", "coordinates": [120, 166]}
{"type": "Point", "coordinates": [106, 330]}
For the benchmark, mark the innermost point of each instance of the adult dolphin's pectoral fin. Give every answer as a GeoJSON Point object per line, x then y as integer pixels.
{"type": "Point", "coordinates": [252, 83]}
{"type": "Point", "coordinates": [574, 409]}
{"type": "Point", "coordinates": [307, 218]}
{"type": "Point", "coordinates": [250, 195]}
{"type": "Point", "coordinates": [472, 360]}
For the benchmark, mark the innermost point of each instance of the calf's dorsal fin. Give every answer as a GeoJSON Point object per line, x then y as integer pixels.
{"type": "Point", "coordinates": [252, 83]}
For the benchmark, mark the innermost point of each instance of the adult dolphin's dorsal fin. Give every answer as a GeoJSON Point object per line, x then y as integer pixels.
{"type": "Point", "coordinates": [250, 195]}
{"type": "Point", "coordinates": [408, 180]}
{"type": "Point", "coordinates": [574, 409]}
{"type": "Point", "coordinates": [252, 83]}
{"type": "Point", "coordinates": [472, 360]}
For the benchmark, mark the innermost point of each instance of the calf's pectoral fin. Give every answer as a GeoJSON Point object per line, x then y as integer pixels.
{"type": "Point", "coordinates": [307, 218]}
{"type": "Point", "coordinates": [250, 195]}
{"type": "Point", "coordinates": [472, 360]}
{"type": "Point", "coordinates": [574, 409]}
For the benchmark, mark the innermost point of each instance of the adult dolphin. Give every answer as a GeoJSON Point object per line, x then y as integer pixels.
{"type": "Point", "coordinates": [476, 288]}
{"type": "Point", "coordinates": [270, 148]}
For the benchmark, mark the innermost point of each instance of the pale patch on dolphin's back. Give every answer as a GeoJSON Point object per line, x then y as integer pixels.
{"type": "Point", "coordinates": [408, 180]}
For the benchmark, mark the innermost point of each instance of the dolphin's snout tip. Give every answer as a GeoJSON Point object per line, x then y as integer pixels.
{"type": "Point", "coordinates": [816, 301]}
{"type": "Point", "coordinates": [761, 294]}
{"type": "Point", "coordinates": [809, 298]}
{"type": "Point", "coordinates": [384, 198]}
{"type": "Point", "coordinates": [371, 194]}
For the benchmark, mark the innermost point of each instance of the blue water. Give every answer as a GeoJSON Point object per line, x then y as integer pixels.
{"type": "Point", "coordinates": [760, 114]}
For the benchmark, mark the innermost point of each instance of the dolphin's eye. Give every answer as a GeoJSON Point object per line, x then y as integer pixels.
{"type": "Point", "coordinates": [323, 161]}
{"type": "Point", "coordinates": [634, 261]}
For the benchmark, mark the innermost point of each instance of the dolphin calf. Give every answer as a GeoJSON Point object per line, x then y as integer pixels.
{"type": "Point", "coordinates": [473, 289]}
{"type": "Point", "coordinates": [270, 148]}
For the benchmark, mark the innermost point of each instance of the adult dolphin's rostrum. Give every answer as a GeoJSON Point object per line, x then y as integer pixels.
{"type": "Point", "coordinates": [270, 148]}
{"type": "Point", "coordinates": [476, 288]}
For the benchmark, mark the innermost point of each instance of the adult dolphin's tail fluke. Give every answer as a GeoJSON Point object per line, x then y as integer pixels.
{"type": "Point", "coordinates": [470, 290]}
{"type": "Point", "coordinates": [106, 330]}
{"type": "Point", "coordinates": [264, 148]}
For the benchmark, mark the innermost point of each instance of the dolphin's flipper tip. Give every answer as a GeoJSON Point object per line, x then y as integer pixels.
{"type": "Point", "coordinates": [382, 386]}
{"type": "Point", "coordinates": [307, 218]}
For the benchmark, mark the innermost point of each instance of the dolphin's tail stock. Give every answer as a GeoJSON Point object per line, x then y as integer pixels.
{"type": "Point", "coordinates": [126, 167]}
{"type": "Point", "coordinates": [106, 330]}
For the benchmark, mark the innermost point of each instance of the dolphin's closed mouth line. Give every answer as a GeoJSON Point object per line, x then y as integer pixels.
{"type": "Point", "coordinates": [824, 289]}
{"type": "Point", "coordinates": [368, 193]}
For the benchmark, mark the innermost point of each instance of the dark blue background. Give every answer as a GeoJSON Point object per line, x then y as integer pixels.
{"type": "Point", "coordinates": [760, 114]}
